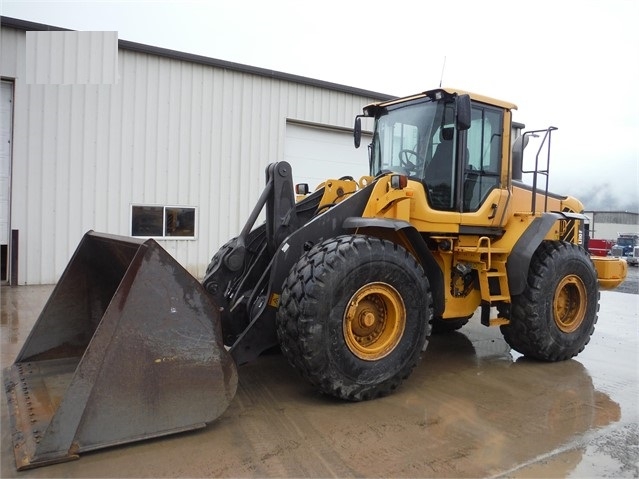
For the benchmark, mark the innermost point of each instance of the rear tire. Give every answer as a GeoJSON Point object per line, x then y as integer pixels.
{"type": "Point", "coordinates": [553, 319]}
{"type": "Point", "coordinates": [354, 315]}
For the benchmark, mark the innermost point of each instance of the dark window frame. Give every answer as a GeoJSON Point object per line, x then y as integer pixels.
{"type": "Point", "coordinates": [175, 222]}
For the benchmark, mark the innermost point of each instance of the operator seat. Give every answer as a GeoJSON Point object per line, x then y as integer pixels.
{"type": "Point", "coordinates": [439, 171]}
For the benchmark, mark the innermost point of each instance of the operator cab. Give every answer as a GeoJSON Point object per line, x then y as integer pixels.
{"type": "Point", "coordinates": [440, 139]}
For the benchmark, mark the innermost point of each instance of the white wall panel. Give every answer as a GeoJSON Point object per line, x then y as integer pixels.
{"type": "Point", "coordinates": [6, 140]}
{"type": "Point", "coordinates": [169, 132]}
{"type": "Point", "coordinates": [11, 46]}
{"type": "Point", "coordinates": [65, 58]}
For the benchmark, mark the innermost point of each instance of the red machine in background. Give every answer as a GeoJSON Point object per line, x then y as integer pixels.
{"type": "Point", "coordinates": [600, 247]}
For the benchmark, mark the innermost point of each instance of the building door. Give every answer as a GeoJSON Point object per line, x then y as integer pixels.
{"type": "Point", "coordinates": [6, 130]}
{"type": "Point", "coordinates": [320, 153]}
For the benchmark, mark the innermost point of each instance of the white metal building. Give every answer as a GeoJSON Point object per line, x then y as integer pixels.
{"type": "Point", "coordinates": [108, 135]}
{"type": "Point", "coordinates": [610, 224]}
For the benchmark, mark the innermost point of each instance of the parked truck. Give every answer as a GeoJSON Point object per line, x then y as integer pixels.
{"type": "Point", "coordinates": [625, 243]}
{"type": "Point", "coordinates": [633, 259]}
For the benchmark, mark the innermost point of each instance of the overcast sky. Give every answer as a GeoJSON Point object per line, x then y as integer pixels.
{"type": "Point", "coordinates": [567, 63]}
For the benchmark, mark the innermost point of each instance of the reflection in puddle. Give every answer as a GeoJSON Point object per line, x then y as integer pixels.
{"type": "Point", "coordinates": [498, 408]}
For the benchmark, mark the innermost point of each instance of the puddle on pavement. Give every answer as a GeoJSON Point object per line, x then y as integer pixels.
{"type": "Point", "coordinates": [472, 408]}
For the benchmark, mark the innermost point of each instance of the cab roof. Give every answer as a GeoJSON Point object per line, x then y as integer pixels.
{"type": "Point", "coordinates": [451, 91]}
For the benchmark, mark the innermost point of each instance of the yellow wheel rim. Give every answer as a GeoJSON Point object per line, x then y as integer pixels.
{"type": "Point", "coordinates": [569, 303]}
{"type": "Point", "coordinates": [374, 321]}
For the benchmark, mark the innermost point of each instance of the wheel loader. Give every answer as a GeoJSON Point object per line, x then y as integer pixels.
{"type": "Point", "coordinates": [348, 280]}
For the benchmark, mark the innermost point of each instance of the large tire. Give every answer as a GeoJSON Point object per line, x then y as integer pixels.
{"type": "Point", "coordinates": [553, 319]}
{"type": "Point", "coordinates": [354, 315]}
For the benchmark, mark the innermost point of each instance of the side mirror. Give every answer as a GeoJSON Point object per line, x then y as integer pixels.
{"type": "Point", "coordinates": [463, 112]}
{"type": "Point", "coordinates": [357, 132]}
{"type": "Point", "coordinates": [302, 189]}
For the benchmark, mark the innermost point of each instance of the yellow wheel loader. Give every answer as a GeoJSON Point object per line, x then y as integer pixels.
{"type": "Point", "coordinates": [348, 280]}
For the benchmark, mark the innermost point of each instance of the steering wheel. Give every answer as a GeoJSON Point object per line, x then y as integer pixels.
{"type": "Point", "coordinates": [404, 161]}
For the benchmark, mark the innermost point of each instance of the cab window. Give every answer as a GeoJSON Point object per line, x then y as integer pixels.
{"type": "Point", "coordinates": [482, 172]}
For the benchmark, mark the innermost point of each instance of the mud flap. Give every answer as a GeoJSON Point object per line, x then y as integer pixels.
{"type": "Point", "coordinates": [128, 347]}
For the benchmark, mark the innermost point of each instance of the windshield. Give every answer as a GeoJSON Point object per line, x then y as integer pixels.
{"type": "Point", "coordinates": [625, 241]}
{"type": "Point", "coordinates": [459, 163]}
{"type": "Point", "coordinates": [407, 135]}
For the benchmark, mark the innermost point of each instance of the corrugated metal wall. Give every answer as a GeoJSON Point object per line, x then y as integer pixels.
{"type": "Point", "coordinates": [170, 132]}
{"type": "Point", "coordinates": [63, 58]}
{"type": "Point", "coordinates": [610, 224]}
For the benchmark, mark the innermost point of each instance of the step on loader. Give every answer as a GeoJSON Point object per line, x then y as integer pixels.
{"type": "Point", "coordinates": [348, 280]}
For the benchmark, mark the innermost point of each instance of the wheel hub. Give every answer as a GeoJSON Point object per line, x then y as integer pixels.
{"type": "Point", "coordinates": [569, 303]}
{"type": "Point", "coordinates": [374, 321]}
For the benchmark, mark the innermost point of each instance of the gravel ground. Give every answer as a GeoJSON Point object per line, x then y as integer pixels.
{"type": "Point", "coordinates": [631, 284]}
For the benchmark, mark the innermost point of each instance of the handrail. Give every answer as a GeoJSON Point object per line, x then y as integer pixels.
{"type": "Point", "coordinates": [488, 247]}
{"type": "Point", "coordinates": [536, 171]}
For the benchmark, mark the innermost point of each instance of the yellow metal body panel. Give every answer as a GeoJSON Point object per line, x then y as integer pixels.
{"type": "Point", "coordinates": [488, 257]}
{"type": "Point", "coordinates": [611, 272]}
{"type": "Point", "coordinates": [335, 191]}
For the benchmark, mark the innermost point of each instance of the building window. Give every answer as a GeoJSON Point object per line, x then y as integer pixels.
{"type": "Point", "coordinates": [163, 221]}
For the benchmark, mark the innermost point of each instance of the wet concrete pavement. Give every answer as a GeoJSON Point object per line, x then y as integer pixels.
{"type": "Point", "coordinates": [473, 408]}
{"type": "Point", "coordinates": [631, 284]}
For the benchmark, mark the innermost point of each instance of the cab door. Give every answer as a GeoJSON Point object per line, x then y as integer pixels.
{"type": "Point", "coordinates": [483, 174]}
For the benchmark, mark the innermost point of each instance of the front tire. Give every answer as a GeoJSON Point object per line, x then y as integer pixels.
{"type": "Point", "coordinates": [553, 319]}
{"type": "Point", "coordinates": [354, 315]}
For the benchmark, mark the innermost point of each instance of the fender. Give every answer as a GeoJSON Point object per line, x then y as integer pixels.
{"type": "Point", "coordinates": [424, 256]}
{"type": "Point", "coordinates": [519, 259]}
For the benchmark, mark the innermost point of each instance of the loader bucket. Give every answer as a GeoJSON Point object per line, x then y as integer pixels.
{"type": "Point", "coordinates": [128, 347]}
